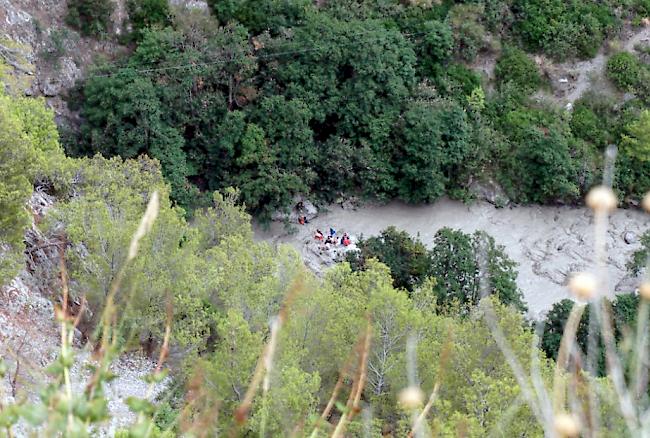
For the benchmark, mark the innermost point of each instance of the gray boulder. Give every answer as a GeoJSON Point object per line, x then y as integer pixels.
{"type": "Point", "coordinates": [309, 210]}
{"type": "Point", "coordinates": [490, 191]}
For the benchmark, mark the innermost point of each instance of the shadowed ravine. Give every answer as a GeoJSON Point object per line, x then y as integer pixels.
{"type": "Point", "coordinates": [547, 242]}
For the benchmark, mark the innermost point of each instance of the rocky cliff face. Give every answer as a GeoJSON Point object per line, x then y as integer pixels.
{"type": "Point", "coordinates": [46, 57]}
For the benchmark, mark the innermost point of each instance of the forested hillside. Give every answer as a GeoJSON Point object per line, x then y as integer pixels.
{"type": "Point", "coordinates": [132, 221]}
{"type": "Point", "coordinates": [377, 99]}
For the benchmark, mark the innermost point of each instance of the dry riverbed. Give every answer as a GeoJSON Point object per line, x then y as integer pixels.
{"type": "Point", "coordinates": [548, 243]}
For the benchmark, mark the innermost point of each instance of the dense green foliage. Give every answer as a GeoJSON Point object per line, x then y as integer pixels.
{"type": "Point", "coordinates": [563, 28]}
{"type": "Point", "coordinates": [224, 288]}
{"type": "Point", "coordinates": [460, 268]}
{"type": "Point", "coordinates": [355, 98]}
{"type": "Point", "coordinates": [409, 260]}
{"type": "Point", "coordinates": [29, 155]}
{"type": "Point", "coordinates": [90, 17]}
{"type": "Point", "coordinates": [624, 311]}
{"type": "Point", "coordinates": [630, 74]}
{"type": "Point", "coordinates": [144, 14]}
{"type": "Point", "coordinates": [516, 67]}
{"type": "Point", "coordinates": [539, 166]}
{"type": "Point", "coordinates": [468, 267]}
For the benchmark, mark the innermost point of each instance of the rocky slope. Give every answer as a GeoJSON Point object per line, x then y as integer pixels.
{"type": "Point", "coordinates": [30, 336]}
{"type": "Point", "coordinates": [46, 57]}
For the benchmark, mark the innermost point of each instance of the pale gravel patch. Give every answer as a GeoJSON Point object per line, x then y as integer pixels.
{"type": "Point", "coordinates": [131, 370]}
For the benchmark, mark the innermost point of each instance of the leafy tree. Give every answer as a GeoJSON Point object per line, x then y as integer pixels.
{"type": "Point", "coordinates": [554, 323]}
{"type": "Point", "coordinates": [475, 380]}
{"type": "Point", "coordinates": [233, 361]}
{"type": "Point", "coordinates": [436, 46]}
{"type": "Point", "coordinates": [562, 29]}
{"type": "Point", "coordinates": [407, 257]}
{"type": "Point", "coordinates": [624, 70]}
{"type": "Point", "coordinates": [433, 147]}
{"type": "Point", "coordinates": [275, 157]}
{"type": "Point", "coordinates": [144, 14]}
{"type": "Point", "coordinates": [467, 267]}
{"type": "Point", "coordinates": [637, 140]}
{"type": "Point", "coordinates": [173, 115]}
{"type": "Point", "coordinates": [539, 167]}
{"type": "Point", "coordinates": [100, 223]}
{"type": "Point", "coordinates": [624, 317]}
{"type": "Point", "coordinates": [354, 84]}
{"type": "Point", "coordinates": [29, 154]}
{"type": "Point", "coordinates": [632, 177]}
{"type": "Point", "coordinates": [261, 15]}
{"type": "Point", "coordinates": [90, 17]}
{"type": "Point", "coordinates": [515, 66]}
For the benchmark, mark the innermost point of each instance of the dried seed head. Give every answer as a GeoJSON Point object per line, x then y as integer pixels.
{"type": "Point", "coordinates": [645, 203]}
{"type": "Point", "coordinates": [602, 199]}
{"type": "Point", "coordinates": [583, 285]}
{"type": "Point", "coordinates": [411, 397]}
{"type": "Point", "coordinates": [566, 425]}
{"type": "Point", "coordinates": [149, 217]}
{"type": "Point", "coordinates": [644, 290]}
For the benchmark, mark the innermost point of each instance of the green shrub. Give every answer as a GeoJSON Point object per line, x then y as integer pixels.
{"type": "Point", "coordinates": [563, 29]}
{"type": "Point", "coordinates": [516, 67]}
{"type": "Point", "coordinates": [260, 15]}
{"type": "Point", "coordinates": [90, 17]}
{"type": "Point", "coordinates": [624, 313]}
{"type": "Point", "coordinates": [456, 81]}
{"type": "Point", "coordinates": [408, 259]}
{"type": "Point", "coordinates": [144, 14]}
{"type": "Point", "coordinates": [470, 35]}
{"type": "Point", "coordinates": [539, 166]}
{"type": "Point", "coordinates": [595, 119]}
{"type": "Point", "coordinates": [630, 75]}
{"type": "Point", "coordinates": [436, 46]}
{"type": "Point", "coordinates": [467, 265]}
{"type": "Point", "coordinates": [624, 70]}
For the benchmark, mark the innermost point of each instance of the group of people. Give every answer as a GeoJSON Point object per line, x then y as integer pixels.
{"type": "Point", "coordinates": [319, 236]}
{"type": "Point", "coordinates": [332, 239]}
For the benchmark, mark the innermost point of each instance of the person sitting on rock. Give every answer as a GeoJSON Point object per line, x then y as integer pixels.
{"type": "Point", "coordinates": [319, 235]}
{"type": "Point", "coordinates": [332, 232]}
{"type": "Point", "coordinates": [300, 207]}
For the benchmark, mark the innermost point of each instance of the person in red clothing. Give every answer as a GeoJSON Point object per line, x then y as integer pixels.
{"type": "Point", "coordinates": [319, 235]}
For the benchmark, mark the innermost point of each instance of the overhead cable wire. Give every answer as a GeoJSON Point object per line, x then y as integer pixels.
{"type": "Point", "coordinates": [231, 61]}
